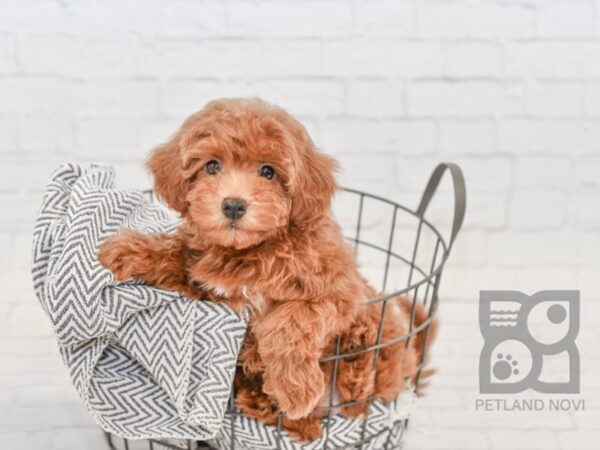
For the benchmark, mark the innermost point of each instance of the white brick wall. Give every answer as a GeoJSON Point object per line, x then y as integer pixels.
{"type": "Point", "coordinates": [508, 89]}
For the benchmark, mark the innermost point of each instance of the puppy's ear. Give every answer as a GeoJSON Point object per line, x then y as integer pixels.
{"type": "Point", "coordinates": [166, 165]}
{"type": "Point", "coordinates": [314, 185]}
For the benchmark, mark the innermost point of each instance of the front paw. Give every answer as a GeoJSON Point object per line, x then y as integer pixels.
{"type": "Point", "coordinates": [300, 395]}
{"type": "Point", "coordinates": [115, 254]}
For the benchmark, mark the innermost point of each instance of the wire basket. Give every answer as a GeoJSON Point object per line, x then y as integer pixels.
{"type": "Point", "coordinates": [404, 267]}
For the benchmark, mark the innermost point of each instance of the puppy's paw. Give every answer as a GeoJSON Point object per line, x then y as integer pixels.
{"type": "Point", "coordinates": [117, 253]}
{"type": "Point", "coordinates": [299, 395]}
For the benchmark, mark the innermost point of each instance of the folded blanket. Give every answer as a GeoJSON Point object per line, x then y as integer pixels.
{"type": "Point", "coordinates": [146, 362]}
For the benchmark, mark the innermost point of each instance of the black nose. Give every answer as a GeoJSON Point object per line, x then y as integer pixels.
{"type": "Point", "coordinates": [234, 208]}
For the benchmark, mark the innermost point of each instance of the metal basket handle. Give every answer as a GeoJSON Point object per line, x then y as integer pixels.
{"type": "Point", "coordinates": [460, 195]}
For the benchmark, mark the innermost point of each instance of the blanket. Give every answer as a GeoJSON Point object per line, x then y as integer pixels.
{"type": "Point", "coordinates": [146, 362]}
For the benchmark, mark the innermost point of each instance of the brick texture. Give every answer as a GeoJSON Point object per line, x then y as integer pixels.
{"type": "Point", "coordinates": [508, 89]}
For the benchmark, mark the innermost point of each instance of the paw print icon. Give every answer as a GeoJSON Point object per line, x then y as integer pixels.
{"type": "Point", "coordinates": [529, 342]}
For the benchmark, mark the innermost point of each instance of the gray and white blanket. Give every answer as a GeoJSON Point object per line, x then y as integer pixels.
{"type": "Point", "coordinates": [147, 363]}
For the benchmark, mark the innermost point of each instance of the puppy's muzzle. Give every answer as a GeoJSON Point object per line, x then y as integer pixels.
{"type": "Point", "coordinates": [234, 208]}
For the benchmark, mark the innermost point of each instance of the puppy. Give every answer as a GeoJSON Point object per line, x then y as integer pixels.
{"type": "Point", "coordinates": [257, 232]}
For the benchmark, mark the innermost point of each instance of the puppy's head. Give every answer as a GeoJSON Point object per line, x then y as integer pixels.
{"type": "Point", "coordinates": [241, 171]}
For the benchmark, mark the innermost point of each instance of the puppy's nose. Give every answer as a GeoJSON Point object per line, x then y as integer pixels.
{"type": "Point", "coordinates": [234, 208]}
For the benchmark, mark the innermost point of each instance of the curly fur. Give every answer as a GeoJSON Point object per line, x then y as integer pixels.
{"type": "Point", "coordinates": [285, 258]}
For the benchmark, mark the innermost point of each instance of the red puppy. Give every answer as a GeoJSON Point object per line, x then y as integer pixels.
{"type": "Point", "coordinates": [254, 194]}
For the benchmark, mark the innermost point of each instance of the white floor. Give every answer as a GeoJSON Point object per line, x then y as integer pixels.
{"type": "Point", "coordinates": [39, 407]}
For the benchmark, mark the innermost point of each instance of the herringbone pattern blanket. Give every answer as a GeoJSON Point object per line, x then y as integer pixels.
{"type": "Point", "coordinates": [146, 362]}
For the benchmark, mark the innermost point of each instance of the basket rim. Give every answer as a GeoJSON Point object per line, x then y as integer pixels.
{"type": "Point", "coordinates": [422, 220]}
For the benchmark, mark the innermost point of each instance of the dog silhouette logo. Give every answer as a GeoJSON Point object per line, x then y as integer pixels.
{"type": "Point", "coordinates": [529, 342]}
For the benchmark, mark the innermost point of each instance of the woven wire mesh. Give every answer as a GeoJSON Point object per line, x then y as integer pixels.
{"type": "Point", "coordinates": [402, 254]}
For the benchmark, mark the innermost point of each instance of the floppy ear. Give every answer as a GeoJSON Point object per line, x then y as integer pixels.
{"type": "Point", "coordinates": [166, 165]}
{"type": "Point", "coordinates": [314, 185]}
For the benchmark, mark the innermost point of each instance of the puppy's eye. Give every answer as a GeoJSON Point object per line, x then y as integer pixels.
{"type": "Point", "coordinates": [212, 167]}
{"type": "Point", "coordinates": [267, 171]}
